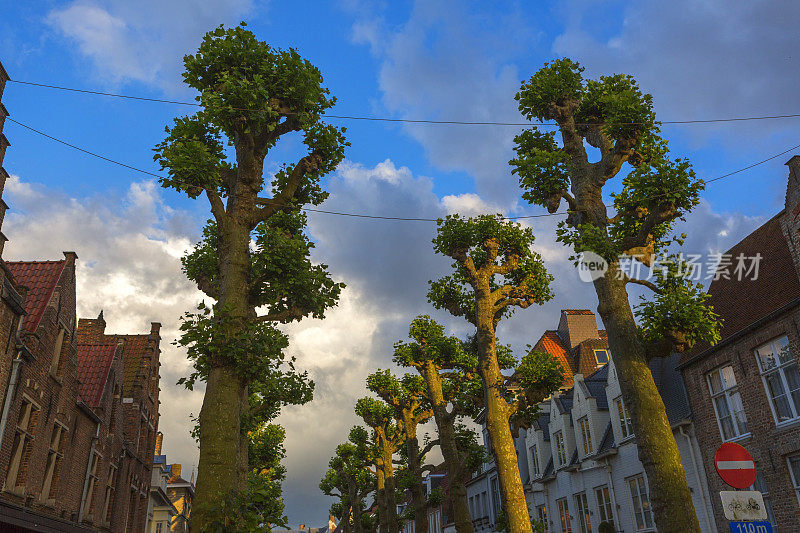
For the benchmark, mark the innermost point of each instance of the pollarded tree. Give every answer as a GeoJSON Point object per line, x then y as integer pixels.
{"type": "Point", "coordinates": [350, 479]}
{"type": "Point", "coordinates": [408, 398]}
{"type": "Point", "coordinates": [251, 96]}
{"type": "Point", "coordinates": [614, 117]}
{"type": "Point", "coordinates": [387, 439]}
{"type": "Point", "coordinates": [441, 361]}
{"type": "Point", "coordinates": [496, 271]}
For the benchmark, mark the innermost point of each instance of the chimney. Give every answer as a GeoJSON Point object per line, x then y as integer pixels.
{"type": "Point", "coordinates": [790, 221]}
{"type": "Point", "coordinates": [576, 326]}
{"type": "Point", "coordinates": [159, 440]}
{"type": "Point", "coordinates": [155, 328]}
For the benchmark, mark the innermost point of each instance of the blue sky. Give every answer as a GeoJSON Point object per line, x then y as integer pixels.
{"type": "Point", "coordinates": [427, 60]}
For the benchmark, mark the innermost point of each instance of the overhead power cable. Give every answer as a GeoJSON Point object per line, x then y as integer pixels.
{"type": "Point", "coordinates": [362, 215]}
{"type": "Point", "coordinates": [402, 120]}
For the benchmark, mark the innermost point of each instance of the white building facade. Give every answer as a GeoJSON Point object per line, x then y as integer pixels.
{"type": "Point", "coordinates": [579, 461]}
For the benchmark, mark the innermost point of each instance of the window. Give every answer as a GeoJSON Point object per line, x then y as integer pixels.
{"type": "Point", "coordinates": [642, 514]}
{"type": "Point", "coordinates": [794, 469]}
{"type": "Point", "coordinates": [601, 356]}
{"type": "Point", "coordinates": [159, 528]}
{"type": "Point", "coordinates": [727, 403]}
{"type": "Point", "coordinates": [586, 435]}
{"type": "Point", "coordinates": [89, 502]}
{"type": "Point", "coordinates": [496, 507]}
{"type": "Point", "coordinates": [604, 504]}
{"type": "Point", "coordinates": [541, 512]}
{"type": "Point", "coordinates": [563, 513]}
{"type": "Point", "coordinates": [625, 425]}
{"type": "Point", "coordinates": [561, 451]}
{"type": "Point", "coordinates": [582, 510]}
{"type": "Point", "coordinates": [781, 378]}
{"type": "Point", "coordinates": [54, 458]}
{"type": "Point", "coordinates": [534, 461]}
{"type": "Point", "coordinates": [761, 487]}
{"type": "Point", "coordinates": [22, 447]}
{"type": "Point", "coordinates": [111, 488]}
{"type": "Point", "coordinates": [54, 361]}
{"type": "Point", "coordinates": [435, 521]}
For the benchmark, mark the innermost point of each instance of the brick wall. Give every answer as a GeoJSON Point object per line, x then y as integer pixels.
{"type": "Point", "coordinates": [768, 443]}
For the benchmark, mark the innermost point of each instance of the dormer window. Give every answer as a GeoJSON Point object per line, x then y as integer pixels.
{"type": "Point", "coordinates": [561, 450]}
{"type": "Point", "coordinates": [601, 356]}
{"type": "Point", "coordinates": [586, 435]}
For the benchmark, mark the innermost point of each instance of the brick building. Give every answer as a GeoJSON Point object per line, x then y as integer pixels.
{"type": "Point", "coordinates": [79, 408]}
{"type": "Point", "coordinates": [139, 414]}
{"type": "Point", "coordinates": [746, 389]}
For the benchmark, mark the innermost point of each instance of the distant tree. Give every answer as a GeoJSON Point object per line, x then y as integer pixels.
{"type": "Point", "coordinates": [387, 438]}
{"type": "Point", "coordinates": [408, 398]}
{"type": "Point", "coordinates": [495, 270]}
{"type": "Point", "coordinates": [612, 116]}
{"type": "Point", "coordinates": [350, 479]}
{"type": "Point", "coordinates": [251, 96]}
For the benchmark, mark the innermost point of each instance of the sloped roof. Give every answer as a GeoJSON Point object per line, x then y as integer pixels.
{"type": "Point", "coordinates": [94, 364]}
{"type": "Point", "coordinates": [551, 343]}
{"type": "Point", "coordinates": [41, 279]}
{"type": "Point", "coordinates": [134, 348]}
{"type": "Point", "coordinates": [669, 383]}
{"type": "Point", "coordinates": [596, 383]}
{"type": "Point", "coordinates": [607, 443]}
{"type": "Point", "coordinates": [776, 286]}
{"type": "Point", "coordinates": [577, 312]}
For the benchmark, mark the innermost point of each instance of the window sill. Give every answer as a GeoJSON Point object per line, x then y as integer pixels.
{"type": "Point", "coordinates": [740, 438]}
{"type": "Point", "coordinates": [780, 427]}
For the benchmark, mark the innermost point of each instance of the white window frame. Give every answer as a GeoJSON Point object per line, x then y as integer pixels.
{"type": "Point", "coordinates": [582, 512]}
{"type": "Point", "coordinates": [641, 482]}
{"type": "Point", "coordinates": [779, 368]}
{"type": "Point", "coordinates": [795, 478]}
{"type": "Point", "coordinates": [586, 435]}
{"type": "Point", "coordinates": [564, 520]}
{"type": "Point", "coordinates": [623, 419]}
{"type": "Point", "coordinates": [561, 447]}
{"type": "Point", "coordinates": [604, 504]}
{"type": "Point", "coordinates": [25, 435]}
{"type": "Point", "coordinates": [534, 461]}
{"type": "Point", "coordinates": [727, 393]}
{"type": "Point", "coordinates": [55, 456]}
{"type": "Point", "coordinates": [608, 356]}
{"type": "Point", "coordinates": [541, 513]}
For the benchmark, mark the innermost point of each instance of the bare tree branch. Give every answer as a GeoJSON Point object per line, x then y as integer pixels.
{"type": "Point", "coordinates": [287, 315]}
{"type": "Point", "coordinates": [281, 201]}
{"type": "Point", "coordinates": [645, 283]}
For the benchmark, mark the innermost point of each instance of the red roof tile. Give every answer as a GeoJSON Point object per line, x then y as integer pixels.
{"type": "Point", "coordinates": [743, 302]}
{"type": "Point", "coordinates": [551, 343]}
{"type": "Point", "coordinates": [94, 364]}
{"type": "Point", "coordinates": [577, 312]}
{"type": "Point", "coordinates": [40, 278]}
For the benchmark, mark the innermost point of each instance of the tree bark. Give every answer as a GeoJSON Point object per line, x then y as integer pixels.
{"type": "Point", "coordinates": [497, 417]}
{"type": "Point", "coordinates": [380, 496]}
{"type": "Point", "coordinates": [445, 423]}
{"type": "Point", "coordinates": [669, 492]}
{"type": "Point", "coordinates": [391, 489]}
{"type": "Point", "coordinates": [222, 468]}
{"type": "Point", "coordinates": [417, 496]}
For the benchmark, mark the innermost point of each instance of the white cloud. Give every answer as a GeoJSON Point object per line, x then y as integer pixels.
{"type": "Point", "coordinates": [142, 41]}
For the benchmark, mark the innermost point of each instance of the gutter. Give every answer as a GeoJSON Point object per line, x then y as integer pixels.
{"type": "Point", "coordinates": [739, 334]}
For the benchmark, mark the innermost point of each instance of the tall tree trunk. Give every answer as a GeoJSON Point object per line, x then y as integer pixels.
{"type": "Point", "coordinates": [380, 496]}
{"type": "Point", "coordinates": [221, 471]}
{"type": "Point", "coordinates": [669, 492]}
{"type": "Point", "coordinates": [497, 416]}
{"type": "Point", "coordinates": [445, 423]}
{"type": "Point", "coordinates": [391, 490]}
{"type": "Point", "coordinates": [415, 468]}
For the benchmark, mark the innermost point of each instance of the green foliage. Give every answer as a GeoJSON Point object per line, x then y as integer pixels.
{"type": "Point", "coordinates": [679, 311]}
{"type": "Point", "coordinates": [488, 240]}
{"type": "Point", "coordinates": [256, 509]}
{"type": "Point", "coordinates": [613, 115]}
{"type": "Point", "coordinates": [404, 395]}
{"type": "Point", "coordinates": [375, 413]}
{"type": "Point", "coordinates": [436, 497]}
{"type": "Point", "coordinates": [538, 375]}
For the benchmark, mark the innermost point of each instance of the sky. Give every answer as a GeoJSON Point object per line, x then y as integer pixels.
{"type": "Point", "coordinates": [434, 59]}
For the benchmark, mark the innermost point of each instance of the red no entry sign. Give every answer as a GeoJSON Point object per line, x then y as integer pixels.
{"type": "Point", "coordinates": [735, 465]}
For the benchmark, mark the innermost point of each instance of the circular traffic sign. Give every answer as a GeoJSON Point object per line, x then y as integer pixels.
{"type": "Point", "coordinates": [735, 465]}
